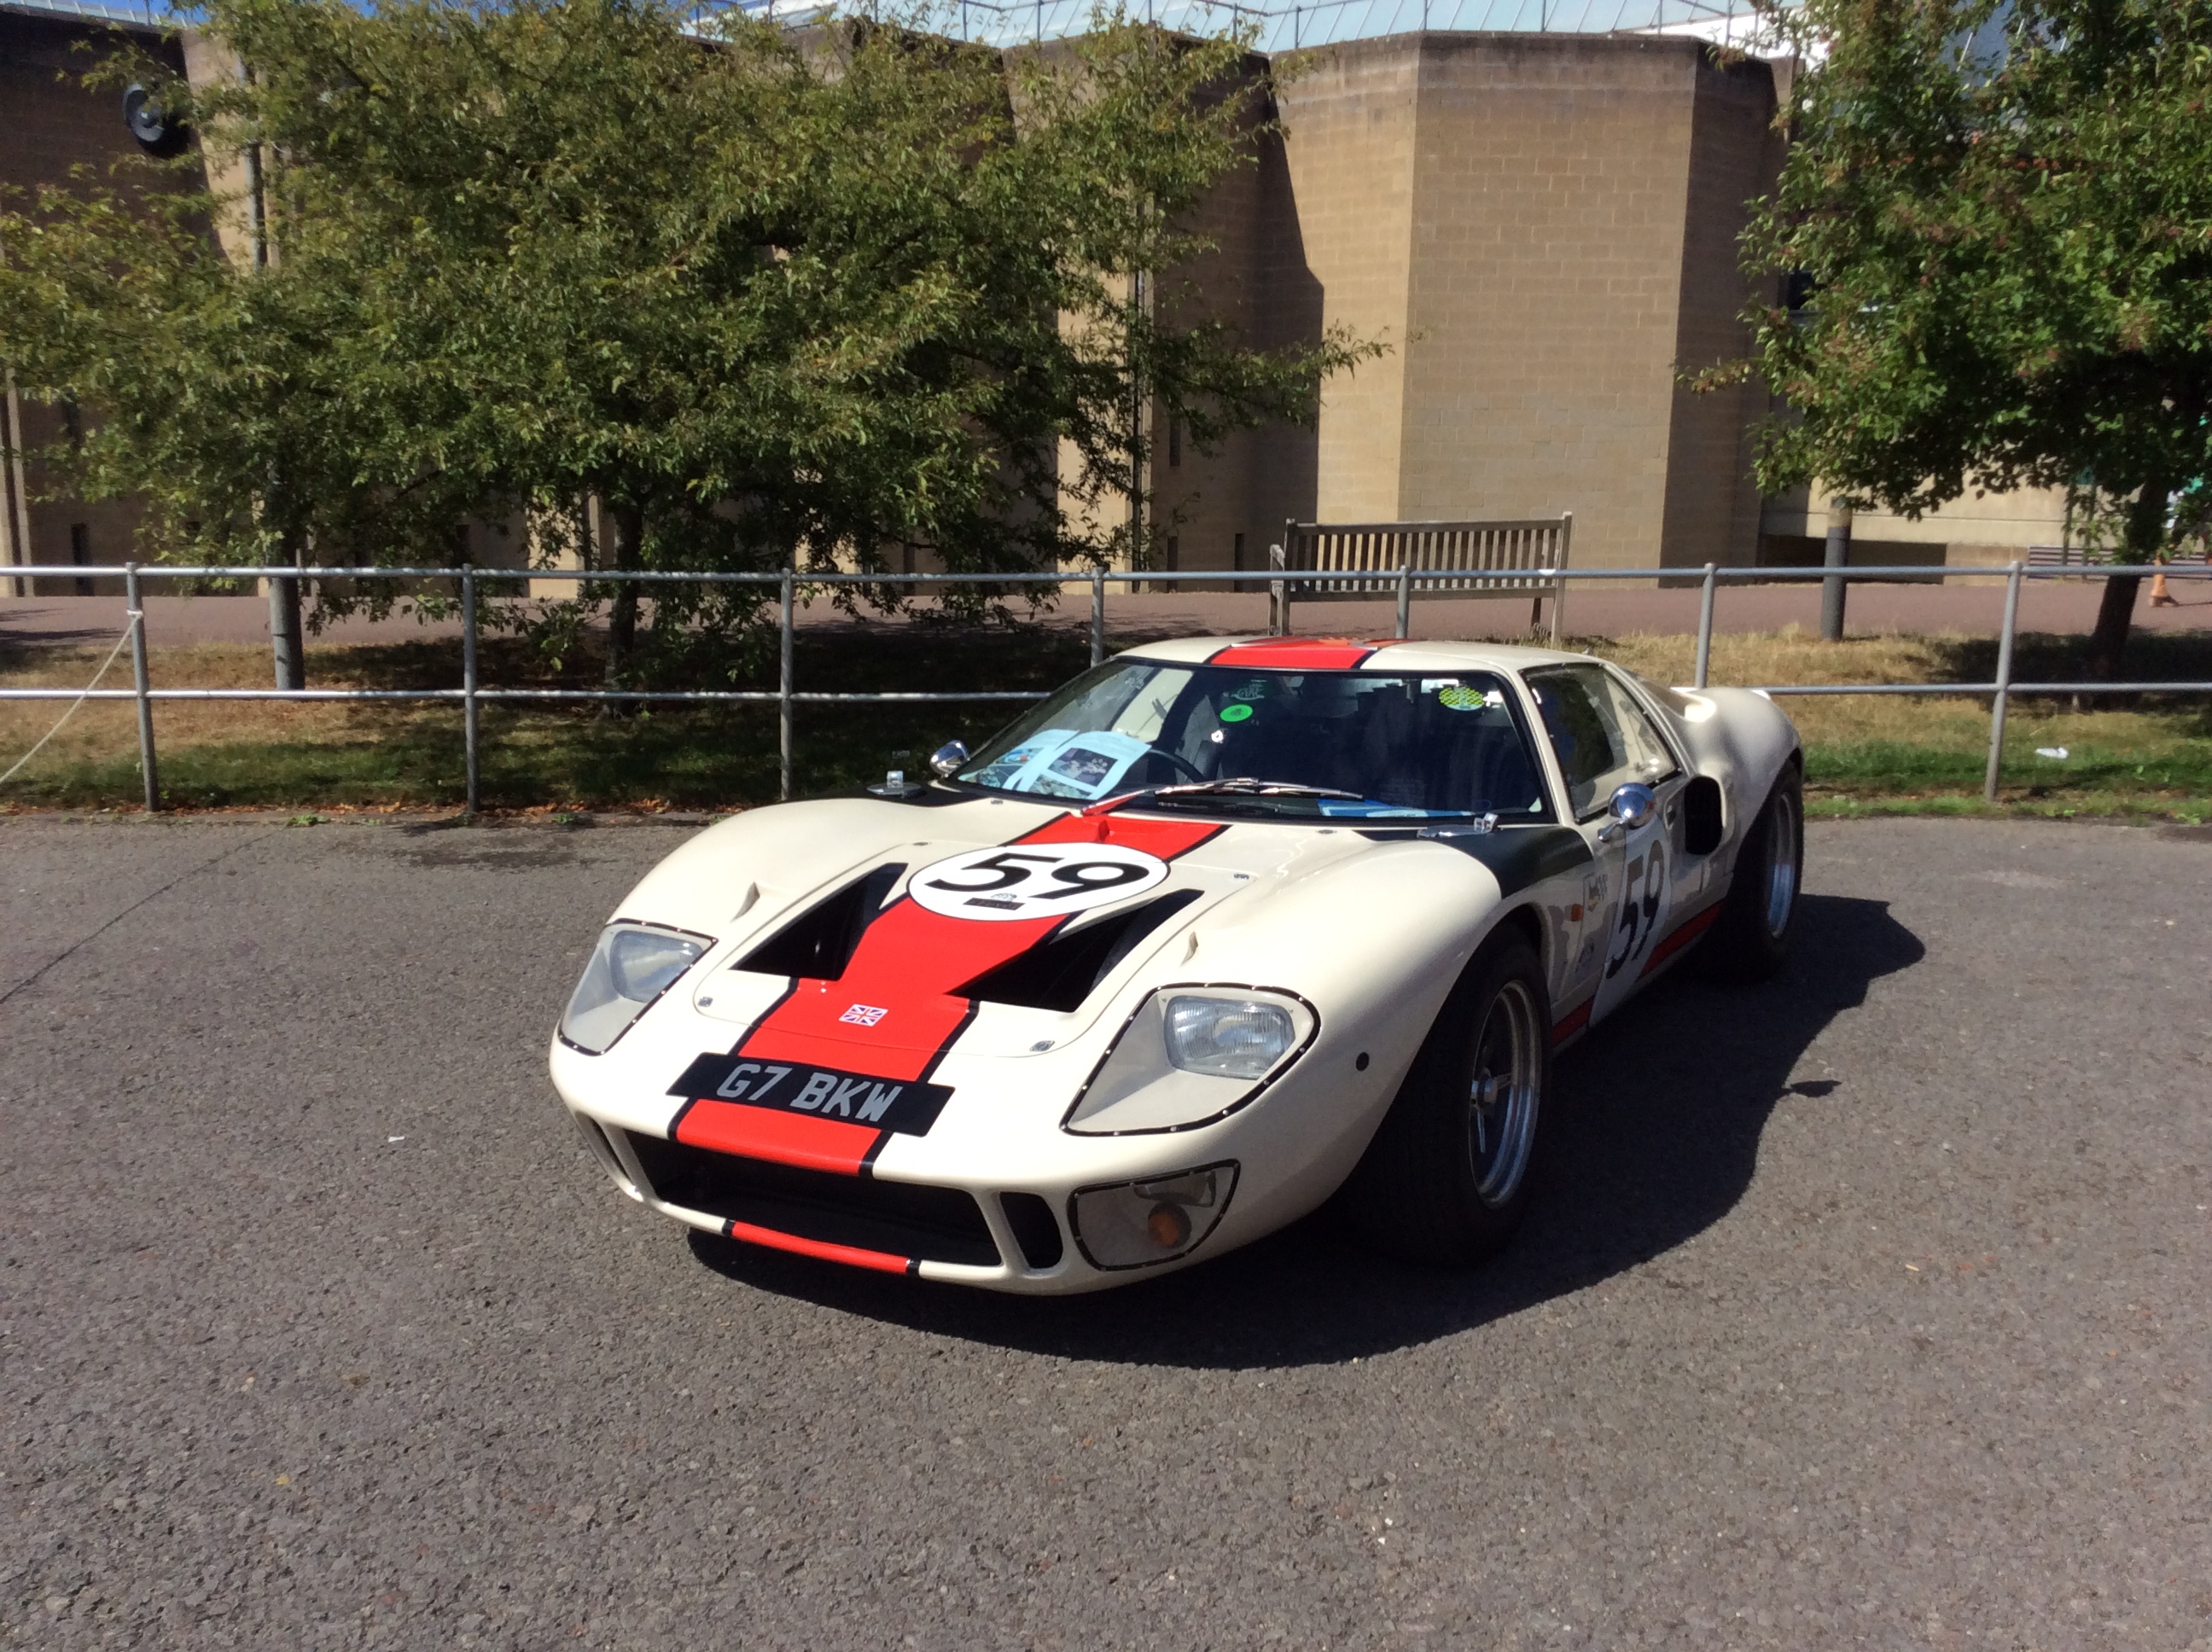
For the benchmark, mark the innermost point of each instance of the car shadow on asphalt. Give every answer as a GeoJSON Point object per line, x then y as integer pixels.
{"type": "Point", "coordinates": [1654, 1135]}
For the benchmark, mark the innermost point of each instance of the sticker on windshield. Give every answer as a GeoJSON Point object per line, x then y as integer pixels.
{"type": "Point", "coordinates": [1034, 880]}
{"type": "Point", "coordinates": [1460, 697]}
{"type": "Point", "coordinates": [1236, 713]}
{"type": "Point", "coordinates": [1063, 763]}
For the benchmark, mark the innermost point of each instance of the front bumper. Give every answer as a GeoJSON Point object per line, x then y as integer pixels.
{"type": "Point", "coordinates": [986, 1197]}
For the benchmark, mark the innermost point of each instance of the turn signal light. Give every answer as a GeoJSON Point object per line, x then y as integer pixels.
{"type": "Point", "coordinates": [1138, 1224]}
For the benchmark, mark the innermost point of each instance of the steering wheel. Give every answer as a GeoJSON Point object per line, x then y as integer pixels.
{"type": "Point", "coordinates": [1186, 768]}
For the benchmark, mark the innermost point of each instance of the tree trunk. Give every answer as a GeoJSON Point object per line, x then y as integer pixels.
{"type": "Point", "coordinates": [286, 642]}
{"type": "Point", "coordinates": [2108, 643]}
{"type": "Point", "coordinates": [2146, 537]}
{"type": "Point", "coordinates": [625, 530]}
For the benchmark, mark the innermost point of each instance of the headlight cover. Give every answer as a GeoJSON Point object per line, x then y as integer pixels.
{"type": "Point", "coordinates": [1189, 1056]}
{"type": "Point", "coordinates": [632, 965]}
{"type": "Point", "coordinates": [1137, 1223]}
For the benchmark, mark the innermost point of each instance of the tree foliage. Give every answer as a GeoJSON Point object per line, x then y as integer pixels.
{"type": "Point", "coordinates": [2002, 213]}
{"type": "Point", "coordinates": [774, 298]}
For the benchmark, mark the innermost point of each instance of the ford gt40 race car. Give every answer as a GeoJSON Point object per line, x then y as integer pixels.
{"type": "Point", "coordinates": [1220, 929]}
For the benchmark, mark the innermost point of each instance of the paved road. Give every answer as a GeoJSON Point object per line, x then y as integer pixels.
{"type": "Point", "coordinates": [1975, 609]}
{"type": "Point", "coordinates": [1866, 1308]}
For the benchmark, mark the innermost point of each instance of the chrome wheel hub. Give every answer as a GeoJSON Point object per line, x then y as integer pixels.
{"type": "Point", "coordinates": [1501, 1093]}
{"type": "Point", "coordinates": [1781, 863]}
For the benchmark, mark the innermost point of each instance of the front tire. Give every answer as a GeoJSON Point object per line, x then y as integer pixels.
{"type": "Point", "coordinates": [1750, 941]}
{"type": "Point", "coordinates": [1445, 1180]}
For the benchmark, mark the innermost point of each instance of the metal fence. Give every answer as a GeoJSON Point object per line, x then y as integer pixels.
{"type": "Point", "coordinates": [472, 695]}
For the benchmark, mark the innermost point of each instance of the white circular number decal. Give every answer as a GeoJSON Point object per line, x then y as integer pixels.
{"type": "Point", "coordinates": [1041, 880]}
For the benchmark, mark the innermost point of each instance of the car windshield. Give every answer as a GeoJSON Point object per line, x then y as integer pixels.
{"type": "Point", "coordinates": [1318, 745]}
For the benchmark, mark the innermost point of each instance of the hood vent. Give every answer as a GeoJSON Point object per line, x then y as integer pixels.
{"type": "Point", "coordinates": [819, 943]}
{"type": "Point", "coordinates": [1059, 972]}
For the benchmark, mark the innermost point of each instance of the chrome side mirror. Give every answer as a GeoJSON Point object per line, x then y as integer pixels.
{"type": "Point", "coordinates": [949, 759]}
{"type": "Point", "coordinates": [1630, 807]}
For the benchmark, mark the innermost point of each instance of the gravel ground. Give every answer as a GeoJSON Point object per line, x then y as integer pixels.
{"type": "Point", "coordinates": [1866, 1308]}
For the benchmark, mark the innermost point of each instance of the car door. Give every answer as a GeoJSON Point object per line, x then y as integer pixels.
{"type": "Point", "coordinates": [1603, 739]}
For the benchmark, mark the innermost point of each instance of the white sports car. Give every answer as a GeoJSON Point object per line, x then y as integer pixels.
{"type": "Point", "coordinates": [1221, 928]}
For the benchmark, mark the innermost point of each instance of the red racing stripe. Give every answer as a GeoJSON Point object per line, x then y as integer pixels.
{"type": "Point", "coordinates": [1296, 653]}
{"type": "Point", "coordinates": [1680, 936]}
{"type": "Point", "coordinates": [852, 1255]}
{"type": "Point", "coordinates": [797, 1138]}
{"type": "Point", "coordinates": [911, 963]}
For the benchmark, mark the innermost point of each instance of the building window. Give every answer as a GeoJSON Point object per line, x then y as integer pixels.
{"type": "Point", "coordinates": [80, 553]}
{"type": "Point", "coordinates": [1174, 441]}
{"type": "Point", "coordinates": [1175, 552]}
{"type": "Point", "coordinates": [1236, 555]}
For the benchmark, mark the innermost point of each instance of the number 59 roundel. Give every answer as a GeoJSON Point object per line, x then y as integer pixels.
{"type": "Point", "coordinates": [1034, 880]}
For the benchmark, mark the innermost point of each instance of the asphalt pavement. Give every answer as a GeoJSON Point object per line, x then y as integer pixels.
{"type": "Point", "coordinates": [1865, 1307]}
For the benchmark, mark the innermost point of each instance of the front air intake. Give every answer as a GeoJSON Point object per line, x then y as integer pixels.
{"type": "Point", "coordinates": [820, 941]}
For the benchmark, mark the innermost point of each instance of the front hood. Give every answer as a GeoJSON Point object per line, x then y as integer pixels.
{"type": "Point", "coordinates": [874, 933]}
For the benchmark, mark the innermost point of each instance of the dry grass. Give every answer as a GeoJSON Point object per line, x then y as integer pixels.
{"type": "Point", "coordinates": [1882, 750]}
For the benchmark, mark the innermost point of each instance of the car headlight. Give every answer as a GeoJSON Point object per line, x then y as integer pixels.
{"type": "Point", "coordinates": [1228, 1037]}
{"type": "Point", "coordinates": [632, 965]}
{"type": "Point", "coordinates": [1135, 1223]}
{"type": "Point", "coordinates": [1190, 1055]}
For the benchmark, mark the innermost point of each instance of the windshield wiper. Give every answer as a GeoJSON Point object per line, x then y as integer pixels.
{"type": "Point", "coordinates": [1235, 786]}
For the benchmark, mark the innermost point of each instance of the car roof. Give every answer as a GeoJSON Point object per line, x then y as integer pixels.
{"type": "Point", "coordinates": [1348, 654]}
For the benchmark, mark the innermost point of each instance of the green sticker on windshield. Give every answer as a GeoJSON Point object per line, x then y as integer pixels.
{"type": "Point", "coordinates": [1460, 697]}
{"type": "Point", "coordinates": [1236, 713]}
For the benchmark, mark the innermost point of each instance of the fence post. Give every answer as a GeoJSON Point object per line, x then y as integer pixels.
{"type": "Point", "coordinates": [1705, 627]}
{"type": "Point", "coordinates": [1097, 616]}
{"type": "Point", "coordinates": [469, 708]}
{"type": "Point", "coordinates": [1835, 552]}
{"type": "Point", "coordinates": [1280, 556]}
{"type": "Point", "coordinates": [1559, 596]}
{"type": "Point", "coordinates": [783, 694]}
{"type": "Point", "coordinates": [1997, 701]}
{"type": "Point", "coordinates": [135, 605]}
{"type": "Point", "coordinates": [1404, 601]}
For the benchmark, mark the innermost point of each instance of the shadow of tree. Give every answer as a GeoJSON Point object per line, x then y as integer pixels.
{"type": "Point", "coordinates": [1654, 1135]}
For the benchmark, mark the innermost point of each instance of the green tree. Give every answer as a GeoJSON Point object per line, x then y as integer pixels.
{"type": "Point", "coordinates": [775, 298]}
{"type": "Point", "coordinates": [2003, 214]}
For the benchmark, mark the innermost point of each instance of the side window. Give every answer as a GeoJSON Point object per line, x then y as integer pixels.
{"type": "Point", "coordinates": [1576, 704]}
{"type": "Point", "coordinates": [1648, 751]}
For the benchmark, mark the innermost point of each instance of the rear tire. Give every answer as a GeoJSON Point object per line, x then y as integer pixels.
{"type": "Point", "coordinates": [1751, 941]}
{"type": "Point", "coordinates": [1445, 1180]}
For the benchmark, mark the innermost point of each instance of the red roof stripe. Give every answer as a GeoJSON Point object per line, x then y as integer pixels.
{"type": "Point", "coordinates": [1296, 653]}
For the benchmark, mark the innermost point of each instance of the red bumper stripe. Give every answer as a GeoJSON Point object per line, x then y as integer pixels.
{"type": "Point", "coordinates": [1296, 653]}
{"type": "Point", "coordinates": [1680, 936]}
{"type": "Point", "coordinates": [851, 1256]}
{"type": "Point", "coordinates": [797, 1138]}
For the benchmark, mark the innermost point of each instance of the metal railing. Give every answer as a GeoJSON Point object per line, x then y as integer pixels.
{"type": "Point", "coordinates": [472, 695]}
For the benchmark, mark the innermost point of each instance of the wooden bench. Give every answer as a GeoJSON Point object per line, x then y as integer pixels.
{"type": "Point", "coordinates": [1346, 561]}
